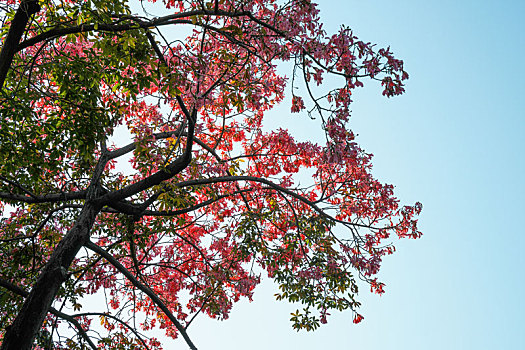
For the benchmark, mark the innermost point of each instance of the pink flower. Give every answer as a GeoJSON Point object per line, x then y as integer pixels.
{"type": "Point", "coordinates": [297, 104]}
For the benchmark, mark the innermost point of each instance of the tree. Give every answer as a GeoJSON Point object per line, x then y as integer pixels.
{"type": "Point", "coordinates": [212, 199]}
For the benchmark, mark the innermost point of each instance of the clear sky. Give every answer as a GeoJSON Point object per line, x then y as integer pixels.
{"type": "Point", "coordinates": [455, 142]}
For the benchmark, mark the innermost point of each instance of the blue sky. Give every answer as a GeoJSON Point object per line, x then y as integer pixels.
{"type": "Point", "coordinates": [455, 142]}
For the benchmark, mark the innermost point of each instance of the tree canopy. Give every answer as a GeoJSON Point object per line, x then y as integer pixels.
{"type": "Point", "coordinates": [211, 201]}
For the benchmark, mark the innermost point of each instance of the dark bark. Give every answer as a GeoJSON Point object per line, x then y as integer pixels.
{"type": "Point", "coordinates": [46, 198]}
{"type": "Point", "coordinates": [17, 290]}
{"type": "Point", "coordinates": [26, 9]}
{"type": "Point", "coordinates": [136, 21]}
{"type": "Point", "coordinates": [21, 334]}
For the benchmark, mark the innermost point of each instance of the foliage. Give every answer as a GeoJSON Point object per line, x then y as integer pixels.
{"type": "Point", "coordinates": [213, 199]}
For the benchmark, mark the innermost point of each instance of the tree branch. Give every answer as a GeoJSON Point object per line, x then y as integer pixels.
{"type": "Point", "coordinates": [139, 23]}
{"type": "Point", "coordinates": [274, 186]}
{"type": "Point", "coordinates": [46, 198]}
{"type": "Point", "coordinates": [26, 9]}
{"type": "Point", "coordinates": [133, 330]}
{"type": "Point", "coordinates": [192, 208]}
{"type": "Point", "coordinates": [271, 184]}
{"type": "Point", "coordinates": [168, 172]}
{"type": "Point", "coordinates": [130, 147]}
{"type": "Point", "coordinates": [100, 251]}
{"type": "Point", "coordinates": [17, 185]}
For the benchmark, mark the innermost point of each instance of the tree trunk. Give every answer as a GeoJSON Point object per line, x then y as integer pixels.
{"type": "Point", "coordinates": [21, 334]}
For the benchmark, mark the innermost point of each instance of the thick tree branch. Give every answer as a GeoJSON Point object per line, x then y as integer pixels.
{"type": "Point", "coordinates": [168, 172]}
{"type": "Point", "coordinates": [46, 198]}
{"type": "Point", "coordinates": [130, 147]}
{"type": "Point", "coordinates": [140, 23]}
{"type": "Point", "coordinates": [100, 251]}
{"type": "Point", "coordinates": [26, 9]}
